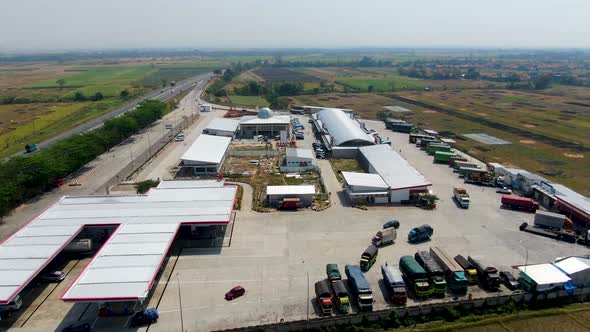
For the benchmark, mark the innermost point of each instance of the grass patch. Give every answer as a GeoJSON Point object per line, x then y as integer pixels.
{"type": "Point", "coordinates": [111, 75]}
{"type": "Point", "coordinates": [345, 165]}
{"type": "Point", "coordinates": [155, 79]}
{"type": "Point", "coordinates": [248, 100]}
{"type": "Point", "coordinates": [106, 90]}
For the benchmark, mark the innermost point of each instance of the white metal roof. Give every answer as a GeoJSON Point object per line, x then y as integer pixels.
{"type": "Point", "coordinates": [343, 128]}
{"type": "Point", "coordinates": [395, 170]}
{"type": "Point", "coordinates": [299, 153]}
{"type": "Point", "coordinates": [364, 180]}
{"type": "Point", "coordinates": [290, 190]}
{"type": "Point", "coordinates": [176, 184]}
{"type": "Point", "coordinates": [223, 124]}
{"type": "Point", "coordinates": [572, 198]}
{"type": "Point", "coordinates": [544, 274]}
{"type": "Point", "coordinates": [572, 265]}
{"type": "Point", "coordinates": [207, 149]}
{"type": "Point", "coordinates": [254, 120]}
{"type": "Point", "coordinates": [126, 265]}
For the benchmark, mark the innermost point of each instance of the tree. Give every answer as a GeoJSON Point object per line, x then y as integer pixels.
{"type": "Point", "coordinates": [61, 82]}
{"type": "Point", "coordinates": [79, 96]}
{"type": "Point", "coordinates": [164, 83]}
{"type": "Point", "coordinates": [98, 96]}
{"type": "Point", "coordinates": [124, 94]}
{"type": "Point", "coordinates": [370, 88]}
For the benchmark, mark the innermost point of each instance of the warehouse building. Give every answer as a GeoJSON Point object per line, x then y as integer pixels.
{"type": "Point", "coordinates": [206, 155]}
{"type": "Point", "coordinates": [300, 195]}
{"type": "Point", "coordinates": [126, 266]}
{"type": "Point", "coordinates": [577, 268]}
{"type": "Point", "coordinates": [265, 123]}
{"type": "Point", "coordinates": [222, 127]}
{"type": "Point", "coordinates": [403, 180]}
{"type": "Point", "coordinates": [298, 160]}
{"type": "Point", "coordinates": [365, 188]}
{"type": "Point", "coordinates": [542, 277]}
{"type": "Point", "coordinates": [341, 129]}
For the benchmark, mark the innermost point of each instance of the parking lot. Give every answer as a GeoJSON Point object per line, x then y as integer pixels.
{"type": "Point", "coordinates": [277, 257]}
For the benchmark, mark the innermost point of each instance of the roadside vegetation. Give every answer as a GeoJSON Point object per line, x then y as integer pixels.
{"type": "Point", "coordinates": [24, 177]}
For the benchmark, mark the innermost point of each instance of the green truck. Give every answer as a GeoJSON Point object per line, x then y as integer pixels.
{"type": "Point", "coordinates": [443, 156]}
{"type": "Point", "coordinates": [333, 272]}
{"type": "Point", "coordinates": [433, 147]}
{"type": "Point", "coordinates": [416, 276]}
{"type": "Point", "coordinates": [434, 271]}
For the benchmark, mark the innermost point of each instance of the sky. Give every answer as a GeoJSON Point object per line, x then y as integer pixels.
{"type": "Point", "coordinates": [231, 24]}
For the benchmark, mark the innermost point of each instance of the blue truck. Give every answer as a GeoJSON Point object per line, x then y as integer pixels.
{"type": "Point", "coordinates": [420, 234]}
{"type": "Point", "coordinates": [360, 287]}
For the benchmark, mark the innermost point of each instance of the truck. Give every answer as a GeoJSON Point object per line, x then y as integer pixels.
{"type": "Point", "coordinates": [456, 279]}
{"type": "Point", "coordinates": [553, 221]}
{"type": "Point", "coordinates": [79, 246]}
{"type": "Point", "coordinates": [461, 197]}
{"type": "Point", "coordinates": [434, 271]}
{"type": "Point", "coordinates": [483, 177]}
{"type": "Point", "coordinates": [519, 203]}
{"type": "Point", "coordinates": [416, 276]}
{"type": "Point", "coordinates": [402, 127]}
{"type": "Point", "coordinates": [14, 305]}
{"type": "Point", "coordinates": [384, 237]}
{"type": "Point", "coordinates": [324, 297]}
{"type": "Point", "coordinates": [424, 142]}
{"type": "Point", "coordinates": [333, 272]}
{"type": "Point", "coordinates": [458, 164]}
{"type": "Point", "coordinates": [360, 287]}
{"type": "Point", "coordinates": [341, 297]}
{"type": "Point", "coordinates": [368, 258]}
{"type": "Point", "coordinates": [395, 284]}
{"type": "Point", "coordinates": [470, 271]}
{"type": "Point", "coordinates": [414, 137]}
{"type": "Point", "coordinates": [443, 156]}
{"type": "Point", "coordinates": [456, 159]}
{"type": "Point", "coordinates": [464, 171]}
{"type": "Point", "coordinates": [487, 274]}
{"type": "Point", "coordinates": [566, 235]}
{"type": "Point", "coordinates": [420, 233]}
{"type": "Point", "coordinates": [29, 148]}
{"type": "Point", "coordinates": [433, 147]}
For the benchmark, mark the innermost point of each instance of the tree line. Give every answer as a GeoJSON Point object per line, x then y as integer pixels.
{"type": "Point", "coordinates": [24, 177]}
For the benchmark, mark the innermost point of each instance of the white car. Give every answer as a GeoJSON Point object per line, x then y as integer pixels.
{"type": "Point", "coordinates": [504, 190]}
{"type": "Point", "coordinates": [179, 138]}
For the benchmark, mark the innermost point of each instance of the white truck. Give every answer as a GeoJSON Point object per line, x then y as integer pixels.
{"type": "Point", "coordinates": [461, 196]}
{"type": "Point", "coordinates": [384, 237]}
{"type": "Point", "coordinates": [12, 306]}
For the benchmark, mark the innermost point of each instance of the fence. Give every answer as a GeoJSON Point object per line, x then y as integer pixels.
{"type": "Point", "coordinates": [581, 295]}
{"type": "Point", "coordinates": [254, 153]}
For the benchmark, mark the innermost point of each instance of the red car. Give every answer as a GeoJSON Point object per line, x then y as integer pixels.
{"type": "Point", "coordinates": [235, 293]}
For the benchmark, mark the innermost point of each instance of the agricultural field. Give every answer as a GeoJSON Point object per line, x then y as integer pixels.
{"type": "Point", "coordinates": [366, 105]}
{"type": "Point", "coordinates": [251, 101]}
{"type": "Point", "coordinates": [34, 106]}
{"type": "Point", "coordinates": [272, 74]}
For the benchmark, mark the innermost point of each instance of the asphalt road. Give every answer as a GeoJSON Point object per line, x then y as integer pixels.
{"type": "Point", "coordinates": [163, 94]}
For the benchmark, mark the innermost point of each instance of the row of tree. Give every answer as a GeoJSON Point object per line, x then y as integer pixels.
{"type": "Point", "coordinates": [78, 96]}
{"type": "Point", "coordinates": [24, 177]}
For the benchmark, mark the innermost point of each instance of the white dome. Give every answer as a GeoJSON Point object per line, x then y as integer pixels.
{"type": "Point", "coordinates": [265, 113]}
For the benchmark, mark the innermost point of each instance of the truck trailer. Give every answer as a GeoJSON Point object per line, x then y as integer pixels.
{"type": "Point", "coordinates": [420, 233]}
{"type": "Point", "coordinates": [488, 275]}
{"type": "Point", "coordinates": [333, 272]}
{"type": "Point", "coordinates": [324, 297]}
{"type": "Point", "coordinates": [458, 164]}
{"type": "Point", "coordinates": [434, 271]}
{"type": "Point", "coordinates": [443, 156]}
{"type": "Point", "coordinates": [368, 258]}
{"type": "Point", "coordinates": [461, 197]}
{"type": "Point", "coordinates": [415, 137]}
{"type": "Point", "coordinates": [470, 271]}
{"type": "Point", "coordinates": [360, 287]}
{"type": "Point", "coordinates": [482, 177]}
{"type": "Point", "coordinates": [553, 221]}
{"type": "Point", "coordinates": [395, 284]}
{"type": "Point", "coordinates": [341, 297]}
{"type": "Point", "coordinates": [434, 147]}
{"type": "Point", "coordinates": [456, 159]}
{"type": "Point", "coordinates": [416, 276]}
{"type": "Point", "coordinates": [456, 279]}
{"type": "Point", "coordinates": [519, 203]}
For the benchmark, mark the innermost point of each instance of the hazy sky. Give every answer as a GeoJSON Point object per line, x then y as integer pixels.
{"type": "Point", "coordinates": [59, 24]}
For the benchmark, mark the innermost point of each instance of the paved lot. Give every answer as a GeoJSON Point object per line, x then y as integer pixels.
{"type": "Point", "coordinates": [279, 256]}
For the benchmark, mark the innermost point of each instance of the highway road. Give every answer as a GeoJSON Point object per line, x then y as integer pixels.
{"type": "Point", "coordinates": [163, 94]}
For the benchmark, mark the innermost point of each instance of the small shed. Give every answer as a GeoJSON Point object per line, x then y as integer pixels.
{"type": "Point", "coordinates": [365, 188]}
{"type": "Point", "coordinates": [298, 160]}
{"type": "Point", "coordinates": [222, 127]}
{"type": "Point", "coordinates": [542, 277]}
{"type": "Point", "coordinates": [276, 196]}
{"type": "Point", "coordinates": [577, 268]}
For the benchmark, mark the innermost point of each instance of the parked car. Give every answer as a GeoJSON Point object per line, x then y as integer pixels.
{"type": "Point", "coordinates": [53, 276]}
{"type": "Point", "coordinates": [391, 223]}
{"type": "Point", "coordinates": [316, 145]}
{"type": "Point", "coordinates": [509, 280]}
{"type": "Point", "coordinates": [235, 293]}
{"type": "Point", "coordinates": [179, 137]}
{"type": "Point", "coordinates": [148, 316]}
{"type": "Point", "coordinates": [504, 190]}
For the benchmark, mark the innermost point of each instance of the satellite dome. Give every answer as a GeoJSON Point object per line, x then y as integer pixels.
{"type": "Point", "coordinates": [265, 113]}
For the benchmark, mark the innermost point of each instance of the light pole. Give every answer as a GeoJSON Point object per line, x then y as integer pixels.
{"type": "Point", "coordinates": [180, 303]}
{"type": "Point", "coordinates": [308, 297]}
{"type": "Point", "coordinates": [527, 255]}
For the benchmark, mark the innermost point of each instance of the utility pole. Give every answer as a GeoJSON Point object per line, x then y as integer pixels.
{"type": "Point", "coordinates": [308, 297]}
{"type": "Point", "coordinates": [180, 303]}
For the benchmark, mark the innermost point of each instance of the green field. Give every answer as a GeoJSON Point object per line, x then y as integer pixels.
{"type": "Point", "coordinates": [111, 75]}
{"type": "Point", "coordinates": [248, 100]}
{"type": "Point", "coordinates": [386, 84]}
{"type": "Point", "coordinates": [154, 79]}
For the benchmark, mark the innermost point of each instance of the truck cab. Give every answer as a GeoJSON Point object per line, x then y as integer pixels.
{"type": "Point", "coordinates": [368, 258]}
{"type": "Point", "coordinates": [333, 272]}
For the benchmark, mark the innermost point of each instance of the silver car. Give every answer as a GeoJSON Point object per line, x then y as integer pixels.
{"type": "Point", "coordinates": [53, 276]}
